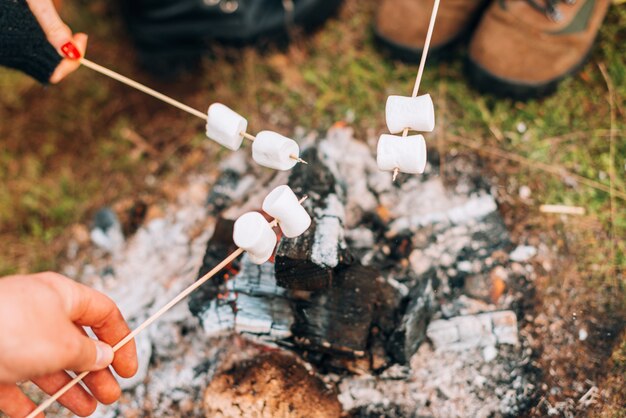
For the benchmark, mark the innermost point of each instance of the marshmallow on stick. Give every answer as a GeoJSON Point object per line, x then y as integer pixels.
{"type": "Point", "coordinates": [253, 233]}
{"type": "Point", "coordinates": [408, 113]}
{"type": "Point", "coordinates": [269, 149]}
{"type": "Point", "coordinates": [283, 205]}
{"type": "Point", "coordinates": [407, 154]}
{"type": "Point", "coordinates": [273, 150]}
{"type": "Point", "coordinates": [414, 113]}
{"type": "Point", "coordinates": [225, 126]}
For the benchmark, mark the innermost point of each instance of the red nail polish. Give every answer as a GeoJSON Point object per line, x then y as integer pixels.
{"type": "Point", "coordinates": [70, 51]}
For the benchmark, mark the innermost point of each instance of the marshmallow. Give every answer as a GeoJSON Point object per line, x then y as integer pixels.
{"type": "Point", "coordinates": [225, 126]}
{"type": "Point", "coordinates": [283, 205]}
{"type": "Point", "coordinates": [416, 113]}
{"type": "Point", "coordinates": [273, 150]}
{"type": "Point", "coordinates": [254, 234]}
{"type": "Point", "coordinates": [408, 154]}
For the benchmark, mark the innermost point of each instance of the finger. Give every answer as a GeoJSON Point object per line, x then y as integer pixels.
{"type": "Point", "coordinates": [14, 403]}
{"type": "Point", "coordinates": [67, 66]}
{"type": "Point", "coordinates": [102, 385]}
{"type": "Point", "coordinates": [76, 399]}
{"type": "Point", "coordinates": [57, 32]}
{"type": "Point", "coordinates": [83, 353]}
{"type": "Point", "coordinates": [88, 307]}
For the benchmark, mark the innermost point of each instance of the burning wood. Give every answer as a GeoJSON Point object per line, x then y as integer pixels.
{"type": "Point", "coordinates": [308, 262]}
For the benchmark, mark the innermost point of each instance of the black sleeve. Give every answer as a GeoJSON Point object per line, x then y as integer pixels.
{"type": "Point", "coordinates": [23, 44]}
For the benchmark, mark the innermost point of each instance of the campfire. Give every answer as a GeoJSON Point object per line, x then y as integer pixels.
{"type": "Point", "coordinates": [401, 297]}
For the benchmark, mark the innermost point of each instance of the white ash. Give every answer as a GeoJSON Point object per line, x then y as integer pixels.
{"type": "Point", "coordinates": [523, 253]}
{"type": "Point", "coordinates": [442, 384]}
{"type": "Point", "coordinates": [464, 305]}
{"type": "Point", "coordinates": [262, 309]}
{"type": "Point", "coordinates": [325, 251]}
{"type": "Point", "coordinates": [453, 211]}
{"type": "Point", "coordinates": [471, 331]}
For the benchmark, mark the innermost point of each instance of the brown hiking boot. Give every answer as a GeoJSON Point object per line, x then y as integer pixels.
{"type": "Point", "coordinates": [524, 48]}
{"type": "Point", "coordinates": [401, 25]}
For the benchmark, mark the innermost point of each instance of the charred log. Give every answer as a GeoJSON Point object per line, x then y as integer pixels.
{"type": "Point", "coordinates": [310, 262]}
{"type": "Point", "coordinates": [220, 245]}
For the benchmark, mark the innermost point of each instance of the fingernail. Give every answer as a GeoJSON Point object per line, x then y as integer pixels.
{"type": "Point", "coordinates": [104, 355]}
{"type": "Point", "coordinates": [70, 51]}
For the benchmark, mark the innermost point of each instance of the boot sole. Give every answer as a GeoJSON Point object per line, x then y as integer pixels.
{"type": "Point", "coordinates": [414, 55]}
{"type": "Point", "coordinates": [486, 82]}
{"type": "Point", "coordinates": [437, 52]}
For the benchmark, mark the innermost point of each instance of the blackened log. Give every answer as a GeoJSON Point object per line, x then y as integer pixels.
{"type": "Point", "coordinates": [309, 262]}
{"type": "Point", "coordinates": [411, 331]}
{"type": "Point", "coordinates": [338, 319]}
{"type": "Point", "coordinates": [220, 245]}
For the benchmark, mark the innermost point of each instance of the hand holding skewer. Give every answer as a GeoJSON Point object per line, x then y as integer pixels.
{"type": "Point", "coordinates": [252, 233]}
{"type": "Point", "coordinates": [42, 318]}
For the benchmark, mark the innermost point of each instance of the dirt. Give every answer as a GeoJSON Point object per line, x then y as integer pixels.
{"type": "Point", "coordinates": [575, 320]}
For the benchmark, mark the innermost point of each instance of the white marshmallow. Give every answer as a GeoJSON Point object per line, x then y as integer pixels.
{"type": "Point", "coordinates": [254, 234]}
{"type": "Point", "coordinates": [408, 154]}
{"type": "Point", "coordinates": [225, 126]}
{"type": "Point", "coordinates": [283, 205]}
{"type": "Point", "coordinates": [273, 150]}
{"type": "Point", "coordinates": [416, 113]}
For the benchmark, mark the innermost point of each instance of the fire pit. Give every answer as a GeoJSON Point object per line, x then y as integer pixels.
{"type": "Point", "coordinates": [401, 299]}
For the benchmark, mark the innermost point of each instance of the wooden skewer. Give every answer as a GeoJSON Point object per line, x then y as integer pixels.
{"type": "Point", "coordinates": [562, 209]}
{"type": "Point", "coordinates": [396, 171]}
{"type": "Point", "coordinates": [132, 83]}
{"type": "Point", "coordinates": [292, 156]}
{"type": "Point", "coordinates": [248, 136]}
{"type": "Point", "coordinates": [420, 70]}
{"type": "Point", "coordinates": [182, 295]}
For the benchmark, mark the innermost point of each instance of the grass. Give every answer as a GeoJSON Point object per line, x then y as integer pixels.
{"type": "Point", "coordinates": [68, 150]}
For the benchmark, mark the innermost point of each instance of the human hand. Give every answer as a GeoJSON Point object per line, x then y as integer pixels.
{"type": "Point", "coordinates": [59, 35]}
{"type": "Point", "coordinates": [41, 320]}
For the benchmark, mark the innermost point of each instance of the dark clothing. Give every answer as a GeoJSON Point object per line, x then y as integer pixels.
{"type": "Point", "coordinates": [23, 44]}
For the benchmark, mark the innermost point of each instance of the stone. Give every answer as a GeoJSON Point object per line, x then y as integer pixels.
{"type": "Point", "coordinates": [106, 232]}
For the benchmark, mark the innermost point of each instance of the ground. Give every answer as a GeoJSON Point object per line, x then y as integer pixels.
{"type": "Point", "coordinates": [68, 150]}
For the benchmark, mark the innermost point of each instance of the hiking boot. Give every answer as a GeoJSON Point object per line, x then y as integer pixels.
{"type": "Point", "coordinates": [523, 48]}
{"type": "Point", "coordinates": [401, 25]}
